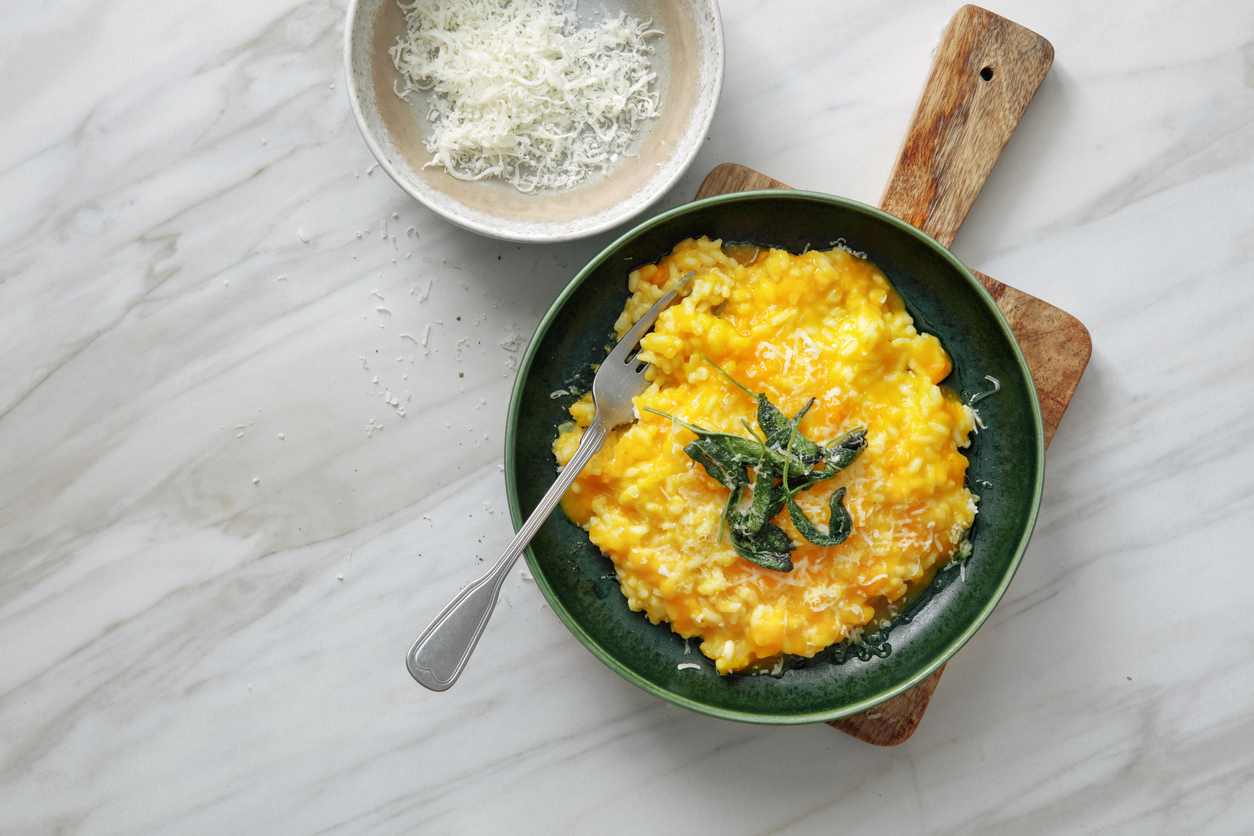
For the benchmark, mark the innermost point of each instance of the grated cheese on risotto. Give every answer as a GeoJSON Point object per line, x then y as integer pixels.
{"type": "Point", "coordinates": [824, 325]}
{"type": "Point", "coordinates": [521, 94]}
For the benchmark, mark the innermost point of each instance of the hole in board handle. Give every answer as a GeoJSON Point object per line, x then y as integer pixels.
{"type": "Point", "coordinates": [987, 73]}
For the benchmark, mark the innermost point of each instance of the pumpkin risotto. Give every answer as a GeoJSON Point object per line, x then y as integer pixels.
{"type": "Point", "coordinates": [826, 326]}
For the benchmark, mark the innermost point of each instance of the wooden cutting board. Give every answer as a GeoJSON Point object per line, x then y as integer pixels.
{"type": "Point", "coordinates": [986, 71]}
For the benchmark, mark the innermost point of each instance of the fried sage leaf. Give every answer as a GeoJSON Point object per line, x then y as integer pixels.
{"type": "Point", "coordinates": [769, 548]}
{"type": "Point", "coordinates": [839, 523]}
{"type": "Point", "coordinates": [721, 463]}
{"type": "Point", "coordinates": [767, 545]}
{"type": "Point", "coordinates": [839, 453]}
{"type": "Point", "coordinates": [782, 433]}
{"type": "Point", "coordinates": [768, 500]}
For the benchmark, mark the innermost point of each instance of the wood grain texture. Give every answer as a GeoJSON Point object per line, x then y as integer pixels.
{"type": "Point", "coordinates": [730, 177]}
{"type": "Point", "coordinates": [1054, 343]}
{"type": "Point", "coordinates": [987, 70]}
{"type": "Point", "coordinates": [949, 150]}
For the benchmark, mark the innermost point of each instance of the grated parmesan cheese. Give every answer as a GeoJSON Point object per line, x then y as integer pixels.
{"type": "Point", "coordinates": [519, 93]}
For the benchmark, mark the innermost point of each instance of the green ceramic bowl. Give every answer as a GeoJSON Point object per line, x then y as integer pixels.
{"type": "Point", "coordinates": [1006, 459]}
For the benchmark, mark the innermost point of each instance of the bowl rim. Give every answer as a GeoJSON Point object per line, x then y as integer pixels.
{"type": "Point", "coordinates": [511, 429]}
{"type": "Point", "coordinates": [550, 232]}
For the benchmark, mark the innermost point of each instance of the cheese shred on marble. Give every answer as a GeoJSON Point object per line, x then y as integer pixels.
{"type": "Point", "coordinates": [521, 94]}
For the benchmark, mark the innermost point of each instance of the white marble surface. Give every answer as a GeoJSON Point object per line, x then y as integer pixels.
{"type": "Point", "coordinates": [188, 465]}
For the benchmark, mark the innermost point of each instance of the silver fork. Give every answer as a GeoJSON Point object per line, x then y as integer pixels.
{"type": "Point", "coordinates": [441, 652]}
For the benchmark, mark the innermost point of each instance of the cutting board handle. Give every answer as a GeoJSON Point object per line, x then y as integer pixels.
{"type": "Point", "coordinates": [986, 71]}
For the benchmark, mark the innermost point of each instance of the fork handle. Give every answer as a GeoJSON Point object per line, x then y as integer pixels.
{"type": "Point", "coordinates": [441, 652]}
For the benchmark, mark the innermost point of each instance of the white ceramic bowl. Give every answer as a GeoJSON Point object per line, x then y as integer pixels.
{"type": "Point", "coordinates": [689, 63]}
